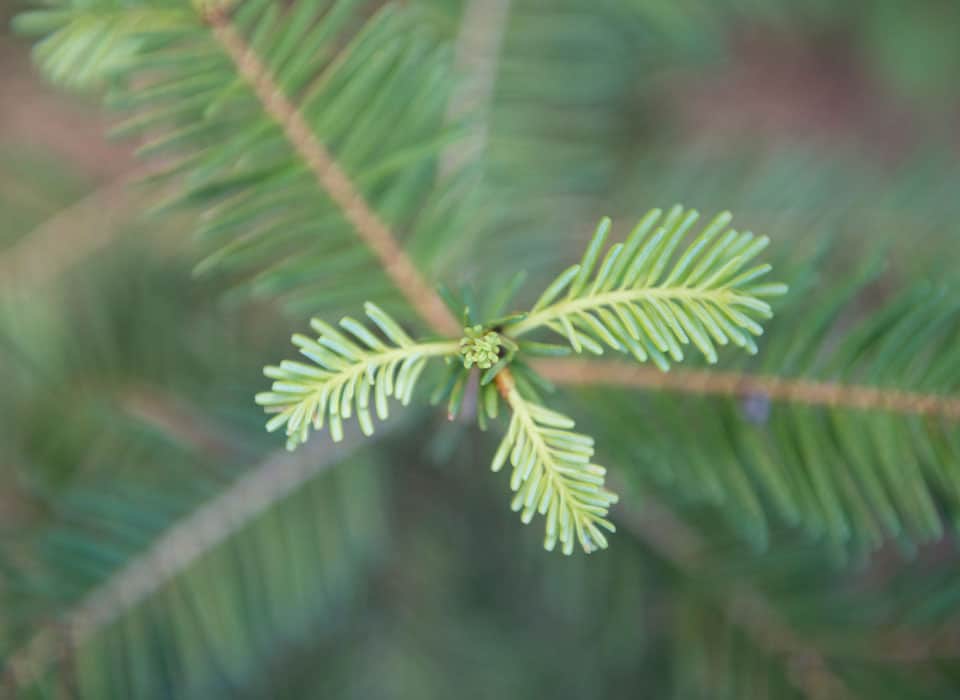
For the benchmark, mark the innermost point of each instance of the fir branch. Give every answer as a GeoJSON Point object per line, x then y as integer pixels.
{"type": "Point", "coordinates": [346, 371]}
{"type": "Point", "coordinates": [332, 178]}
{"type": "Point", "coordinates": [641, 300]}
{"type": "Point", "coordinates": [670, 537]}
{"type": "Point", "coordinates": [861, 446]}
{"type": "Point", "coordinates": [184, 543]}
{"type": "Point", "coordinates": [740, 384]}
{"type": "Point", "coordinates": [552, 473]}
{"type": "Point", "coordinates": [249, 112]}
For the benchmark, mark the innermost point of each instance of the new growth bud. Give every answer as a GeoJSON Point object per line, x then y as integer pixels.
{"type": "Point", "coordinates": [480, 347]}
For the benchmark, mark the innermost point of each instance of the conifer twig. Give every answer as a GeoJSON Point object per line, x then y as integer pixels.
{"type": "Point", "coordinates": [333, 179]}
{"type": "Point", "coordinates": [665, 533]}
{"type": "Point", "coordinates": [553, 473]}
{"type": "Point", "coordinates": [734, 384]}
{"type": "Point", "coordinates": [184, 543]}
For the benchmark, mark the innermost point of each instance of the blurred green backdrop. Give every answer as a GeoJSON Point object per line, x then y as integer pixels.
{"type": "Point", "coordinates": [155, 542]}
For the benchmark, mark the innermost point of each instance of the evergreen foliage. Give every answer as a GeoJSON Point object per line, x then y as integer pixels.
{"type": "Point", "coordinates": [177, 555]}
{"type": "Point", "coordinates": [704, 293]}
{"type": "Point", "coordinates": [266, 222]}
{"type": "Point", "coordinates": [552, 475]}
{"type": "Point", "coordinates": [636, 302]}
{"type": "Point", "coordinates": [347, 371]}
{"type": "Point", "coordinates": [882, 464]}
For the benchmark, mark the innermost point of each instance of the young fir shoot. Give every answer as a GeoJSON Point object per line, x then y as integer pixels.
{"type": "Point", "coordinates": [349, 370]}
{"type": "Point", "coordinates": [645, 300]}
{"type": "Point", "coordinates": [647, 296]}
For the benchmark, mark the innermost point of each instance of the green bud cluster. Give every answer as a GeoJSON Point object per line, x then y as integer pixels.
{"type": "Point", "coordinates": [480, 347]}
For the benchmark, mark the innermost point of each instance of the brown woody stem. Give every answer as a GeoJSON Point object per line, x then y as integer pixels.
{"type": "Point", "coordinates": [334, 180]}
{"type": "Point", "coordinates": [732, 384]}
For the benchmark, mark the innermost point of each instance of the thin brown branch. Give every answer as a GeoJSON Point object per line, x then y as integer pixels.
{"type": "Point", "coordinates": [334, 180]}
{"type": "Point", "coordinates": [671, 538]}
{"type": "Point", "coordinates": [736, 384]}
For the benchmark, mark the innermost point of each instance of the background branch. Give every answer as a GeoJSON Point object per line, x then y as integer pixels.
{"type": "Point", "coordinates": [371, 229]}
{"type": "Point", "coordinates": [736, 384]}
{"type": "Point", "coordinates": [657, 526]}
{"type": "Point", "coordinates": [278, 476]}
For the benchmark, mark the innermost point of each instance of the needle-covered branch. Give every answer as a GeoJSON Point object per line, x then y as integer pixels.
{"type": "Point", "coordinates": [647, 299]}
{"type": "Point", "coordinates": [351, 373]}
{"type": "Point", "coordinates": [553, 474]}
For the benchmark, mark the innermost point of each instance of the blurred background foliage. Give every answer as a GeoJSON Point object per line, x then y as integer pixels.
{"type": "Point", "coordinates": [138, 487]}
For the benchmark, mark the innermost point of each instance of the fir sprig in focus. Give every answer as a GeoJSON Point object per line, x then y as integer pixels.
{"type": "Point", "coordinates": [649, 297]}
